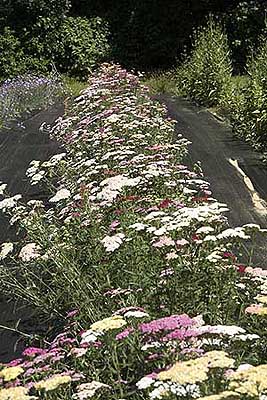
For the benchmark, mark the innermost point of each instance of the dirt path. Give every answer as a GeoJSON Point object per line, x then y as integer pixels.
{"type": "Point", "coordinates": [231, 166]}
{"type": "Point", "coordinates": [19, 146]}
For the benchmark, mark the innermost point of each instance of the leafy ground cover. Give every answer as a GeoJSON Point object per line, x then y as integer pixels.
{"type": "Point", "coordinates": [133, 261]}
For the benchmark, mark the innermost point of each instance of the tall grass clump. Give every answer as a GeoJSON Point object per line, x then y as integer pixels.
{"type": "Point", "coordinates": [206, 74]}
{"type": "Point", "coordinates": [249, 114]}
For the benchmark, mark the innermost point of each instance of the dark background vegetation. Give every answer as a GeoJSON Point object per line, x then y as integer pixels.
{"type": "Point", "coordinates": [141, 34]}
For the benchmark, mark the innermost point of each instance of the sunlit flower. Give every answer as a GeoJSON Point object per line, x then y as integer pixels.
{"type": "Point", "coordinates": [136, 314]}
{"type": "Point", "coordinates": [145, 382]}
{"type": "Point", "coordinates": [16, 393]}
{"type": "Point", "coordinates": [194, 371]}
{"type": "Point", "coordinates": [29, 252]}
{"type": "Point", "coordinates": [109, 323]}
{"type": "Point", "coordinates": [112, 243]}
{"type": "Point", "coordinates": [164, 241]}
{"type": "Point", "coordinates": [9, 202]}
{"type": "Point", "coordinates": [2, 188]}
{"type": "Point", "coordinates": [6, 248]}
{"type": "Point", "coordinates": [52, 383]}
{"type": "Point", "coordinates": [88, 390]}
{"type": "Point", "coordinates": [10, 373]}
{"type": "Point", "coordinates": [62, 194]}
{"type": "Point", "coordinates": [251, 381]}
{"type": "Point", "coordinates": [227, 395]}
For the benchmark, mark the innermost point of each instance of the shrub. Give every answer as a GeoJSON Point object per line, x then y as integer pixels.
{"type": "Point", "coordinates": [84, 44]}
{"type": "Point", "coordinates": [206, 73]}
{"type": "Point", "coordinates": [11, 60]}
{"type": "Point", "coordinates": [249, 114]}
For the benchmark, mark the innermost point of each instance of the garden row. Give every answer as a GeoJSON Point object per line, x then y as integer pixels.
{"type": "Point", "coordinates": [133, 263]}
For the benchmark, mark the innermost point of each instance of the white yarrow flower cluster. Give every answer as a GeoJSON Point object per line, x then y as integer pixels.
{"type": "Point", "coordinates": [112, 243]}
{"type": "Point", "coordinates": [6, 248]}
{"type": "Point", "coordinates": [2, 188]}
{"type": "Point", "coordinates": [61, 194]}
{"type": "Point", "coordinates": [29, 252]}
{"type": "Point", "coordinates": [9, 202]}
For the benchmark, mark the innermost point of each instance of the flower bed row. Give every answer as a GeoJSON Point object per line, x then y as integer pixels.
{"type": "Point", "coordinates": [134, 244]}
{"type": "Point", "coordinates": [27, 94]}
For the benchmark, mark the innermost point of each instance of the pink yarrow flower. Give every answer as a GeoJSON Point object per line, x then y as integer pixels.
{"type": "Point", "coordinates": [124, 334]}
{"type": "Point", "coordinates": [167, 323]}
{"type": "Point", "coordinates": [164, 241]}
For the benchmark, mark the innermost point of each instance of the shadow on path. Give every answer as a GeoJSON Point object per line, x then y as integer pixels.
{"type": "Point", "coordinates": [18, 147]}
{"type": "Point", "coordinates": [231, 166]}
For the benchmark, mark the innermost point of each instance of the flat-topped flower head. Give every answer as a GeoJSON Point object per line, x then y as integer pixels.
{"type": "Point", "coordinates": [112, 243]}
{"type": "Point", "coordinates": [108, 324]}
{"type": "Point", "coordinates": [29, 252]}
{"type": "Point", "coordinates": [251, 381]}
{"type": "Point", "coordinates": [227, 395]}
{"type": "Point", "coordinates": [6, 248]}
{"type": "Point", "coordinates": [52, 383]}
{"type": "Point", "coordinates": [61, 194]}
{"type": "Point", "coordinates": [194, 371]}
{"type": "Point", "coordinates": [10, 373]}
{"type": "Point", "coordinates": [167, 323]}
{"type": "Point", "coordinates": [89, 390]}
{"type": "Point", "coordinates": [16, 393]}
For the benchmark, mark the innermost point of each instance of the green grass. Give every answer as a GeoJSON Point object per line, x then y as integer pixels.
{"type": "Point", "coordinates": [73, 85]}
{"type": "Point", "coordinates": [161, 82]}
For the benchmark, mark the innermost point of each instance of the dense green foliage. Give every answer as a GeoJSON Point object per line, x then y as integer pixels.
{"type": "Point", "coordinates": [207, 72]}
{"type": "Point", "coordinates": [244, 24]}
{"type": "Point", "coordinates": [142, 34]}
{"type": "Point", "coordinates": [249, 113]}
{"type": "Point", "coordinates": [84, 43]}
{"type": "Point", "coordinates": [11, 54]}
{"type": "Point", "coordinates": [39, 33]}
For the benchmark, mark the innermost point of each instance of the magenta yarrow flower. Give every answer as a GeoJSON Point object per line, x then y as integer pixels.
{"type": "Point", "coordinates": [33, 351]}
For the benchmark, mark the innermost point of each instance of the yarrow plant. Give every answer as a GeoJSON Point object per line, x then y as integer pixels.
{"type": "Point", "coordinates": [133, 243]}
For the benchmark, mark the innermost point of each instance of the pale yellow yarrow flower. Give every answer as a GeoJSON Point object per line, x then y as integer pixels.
{"type": "Point", "coordinates": [252, 381]}
{"type": "Point", "coordinates": [262, 311]}
{"type": "Point", "coordinates": [107, 324]}
{"type": "Point", "coordinates": [218, 359]}
{"type": "Point", "coordinates": [227, 395]}
{"type": "Point", "coordinates": [10, 373]}
{"type": "Point", "coordinates": [16, 393]}
{"type": "Point", "coordinates": [52, 383]}
{"type": "Point", "coordinates": [193, 371]}
{"type": "Point", "coordinates": [262, 299]}
{"type": "Point", "coordinates": [185, 372]}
